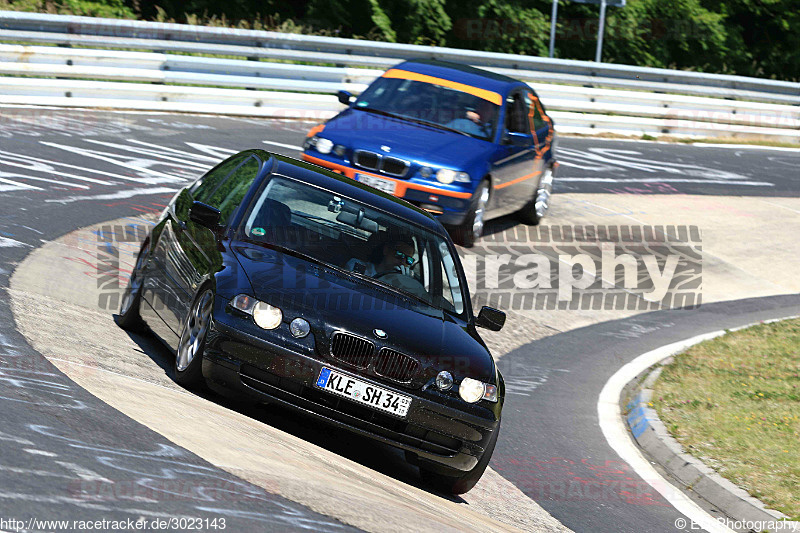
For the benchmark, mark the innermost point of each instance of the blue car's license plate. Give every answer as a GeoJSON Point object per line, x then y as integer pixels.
{"type": "Point", "coordinates": [378, 183]}
{"type": "Point", "coordinates": [363, 392]}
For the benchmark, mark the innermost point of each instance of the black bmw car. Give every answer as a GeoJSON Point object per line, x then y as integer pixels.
{"type": "Point", "coordinates": [294, 285]}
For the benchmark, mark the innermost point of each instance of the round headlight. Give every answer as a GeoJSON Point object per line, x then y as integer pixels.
{"type": "Point", "coordinates": [339, 150]}
{"type": "Point", "coordinates": [444, 380]}
{"type": "Point", "coordinates": [446, 176]}
{"type": "Point", "coordinates": [267, 316]}
{"type": "Point", "coordinates": [426, 172]}
{"type": "Point", "coordinates": [471, 390]}
{"type": "Point", "coordinates": [299, 327]}
{"type": "Point", "coordinates": [324, 146]}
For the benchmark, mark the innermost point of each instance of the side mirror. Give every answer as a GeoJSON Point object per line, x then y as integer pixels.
{"type": "Point", "coordinates": [513, 138]}
{"type": "Point", "coordinates": [344, 97]}
{"type": "Point", "coordinates": [205, 215]}
{"type": "Point", "coordinates": [490, 318]}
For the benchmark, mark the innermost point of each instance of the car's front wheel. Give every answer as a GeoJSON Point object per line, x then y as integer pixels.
{"type": "Point", "coordinates": [463, 482]}
{"type": "Point", "coordinates": [189, 359]}
{"type": "Point", "coordinates": [472, 228]}
{"type": "Point", "coordinates": [129, 317]}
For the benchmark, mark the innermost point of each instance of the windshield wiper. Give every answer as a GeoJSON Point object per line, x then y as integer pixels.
{"type": "Point", "coordinates": [414, 119]}
{"type": "Point", "coordinates": [294, 253]}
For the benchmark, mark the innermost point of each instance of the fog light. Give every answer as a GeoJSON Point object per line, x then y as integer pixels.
{"type": "Point", "coordinates": [299, 327]}
{"type": "Point", "coordinates": [471, 390]}
{"type": "Point", "coordinates": [267, 316]}
{"type": "Point", "coordinates": [444, 380]}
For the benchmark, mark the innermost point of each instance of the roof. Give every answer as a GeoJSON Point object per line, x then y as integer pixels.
{"type": "Point", "coordinates": [332, 181]}
{"type": "Point", "coordinates": [475, 77]}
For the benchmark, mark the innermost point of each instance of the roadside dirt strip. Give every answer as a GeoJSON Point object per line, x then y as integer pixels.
{"type": "Point", "coordinates": [63, 306]}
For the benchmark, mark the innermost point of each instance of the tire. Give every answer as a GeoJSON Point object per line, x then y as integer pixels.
{"type": "Point", "coordinates": [189, 356]}
{"type": "Point", "coordinates": [462, 483]}
{"type": "Point", "coordinates": [472, 228]}
{"type": "Point", "coordinates": [537, 207]}
{"type": "Point", "coordinates": [129, 317]}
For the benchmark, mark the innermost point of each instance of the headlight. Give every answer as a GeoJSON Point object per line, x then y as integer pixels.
{"type": "Point", "coordinates": [446, 176]}
{"type": "Point", "coordinates": [264, 315]}
{"type": "Point", "coordinates": [339, 150]}
{"type": "Point", "coordinates": [267, 316]}
{"type": "Point", "coordinates": [426, 172]}
{"type": "Point", "coordinates": [299, 327]}
{"type": "Point", "coordinates": [324, 146]}
{"type": "Point", "coordinates": [472, 390]}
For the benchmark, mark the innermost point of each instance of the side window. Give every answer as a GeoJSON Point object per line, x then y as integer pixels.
{"type": "Point", "coordinates": [230, 193]}
{"type": "Point", "coordinates": [202, 188]}
{"type": "Point", "coordinates": [516, 114]}
{"type": "Point", "coordinates": [535, 114]}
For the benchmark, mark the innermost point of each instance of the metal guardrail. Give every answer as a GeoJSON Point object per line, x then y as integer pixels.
{"type": "Point", "coordinates": [654, 101]}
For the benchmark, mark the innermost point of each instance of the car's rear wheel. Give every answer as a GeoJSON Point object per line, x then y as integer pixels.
{"type": "Point", "coordinates": [472, 228]}
{"type": "Point", "coordinates": [129, 317]}
{"type": "Point", "coordinates": [537, 207]}
{"type": "Point", "coordinates": [462, 482]}
{"type": "Point", "coordinates": [189, 358]}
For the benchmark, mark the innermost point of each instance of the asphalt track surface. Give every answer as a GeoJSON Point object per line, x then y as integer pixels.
{"type": "Point", "coordinates": [61, 170]}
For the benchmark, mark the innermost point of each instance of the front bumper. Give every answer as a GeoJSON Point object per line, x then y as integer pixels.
{"type": "Point", "coordinates": [436, 434]}
{"type": "Point", "coordinates": [453, 200]}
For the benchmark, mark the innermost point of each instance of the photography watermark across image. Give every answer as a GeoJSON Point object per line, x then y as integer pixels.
{"type": "Point", "coordinates": [587, 267]}
{"type": "Point", "coordinates": [567, 267]}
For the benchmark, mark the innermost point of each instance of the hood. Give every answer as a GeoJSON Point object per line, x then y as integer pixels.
{"type": "Point", "coordinates": [332, 301]}
{"type": "Point", "coordinates": [425, 145]}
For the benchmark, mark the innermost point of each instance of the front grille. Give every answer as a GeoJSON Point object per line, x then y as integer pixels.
{"type": "Point", "coordinates": [395, 365]}
{"type": "Point", "coordinates": [368, 160]}
{"type": "Point", "coordinates": [351, 349]}
{"type": "Point", "coordinates": [385, 165]}
{"type": "Point", "coordinates": [394, 166]}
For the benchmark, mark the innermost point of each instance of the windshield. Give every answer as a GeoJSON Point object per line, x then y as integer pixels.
{"type": "Point", "coordinates": [355, 237]}
{"type": "Point", "coordinates": [434, 104]}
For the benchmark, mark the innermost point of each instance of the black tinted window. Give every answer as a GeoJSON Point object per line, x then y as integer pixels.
{"type": "Point", "coordinates": [205, 186]}
{"type": "Point", "coordinates": [230, 193]}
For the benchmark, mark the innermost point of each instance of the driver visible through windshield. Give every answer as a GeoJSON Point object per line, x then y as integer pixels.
{"type": "Point", "coordinates": [356, 238]}
{"type": "Point", "coordinates": [434, 104]}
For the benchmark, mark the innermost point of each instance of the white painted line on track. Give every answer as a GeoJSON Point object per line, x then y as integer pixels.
{"type": "Point", "coordinates": [282, 145]}
{"type": "Point", "coordinates": [615, 432]}
{"type": "Point", "coordinates": [667, 180]}
{"type": "Point", "coordinates": [113, 196]}
{"type": "Point", "coordinates": [5, 242]}
{"type": "Point", "coordinates": [748, 147]}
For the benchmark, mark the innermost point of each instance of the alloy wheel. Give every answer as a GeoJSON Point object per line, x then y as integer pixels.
{"type": "Point", "coordinates": [194, 331]}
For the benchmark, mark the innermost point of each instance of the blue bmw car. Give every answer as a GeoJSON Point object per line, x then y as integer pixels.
{"type": "Point", "coordinates": [462, 143]}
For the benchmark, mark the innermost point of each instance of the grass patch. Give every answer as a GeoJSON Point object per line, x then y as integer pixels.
{"type": "Point", "coordinates": [734, 403]}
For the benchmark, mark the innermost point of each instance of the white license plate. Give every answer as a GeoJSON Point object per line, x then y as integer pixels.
{"type": "Point", "coordinates": [363, 392]}
{"type": "Point", "coordinates": [379, 183]}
